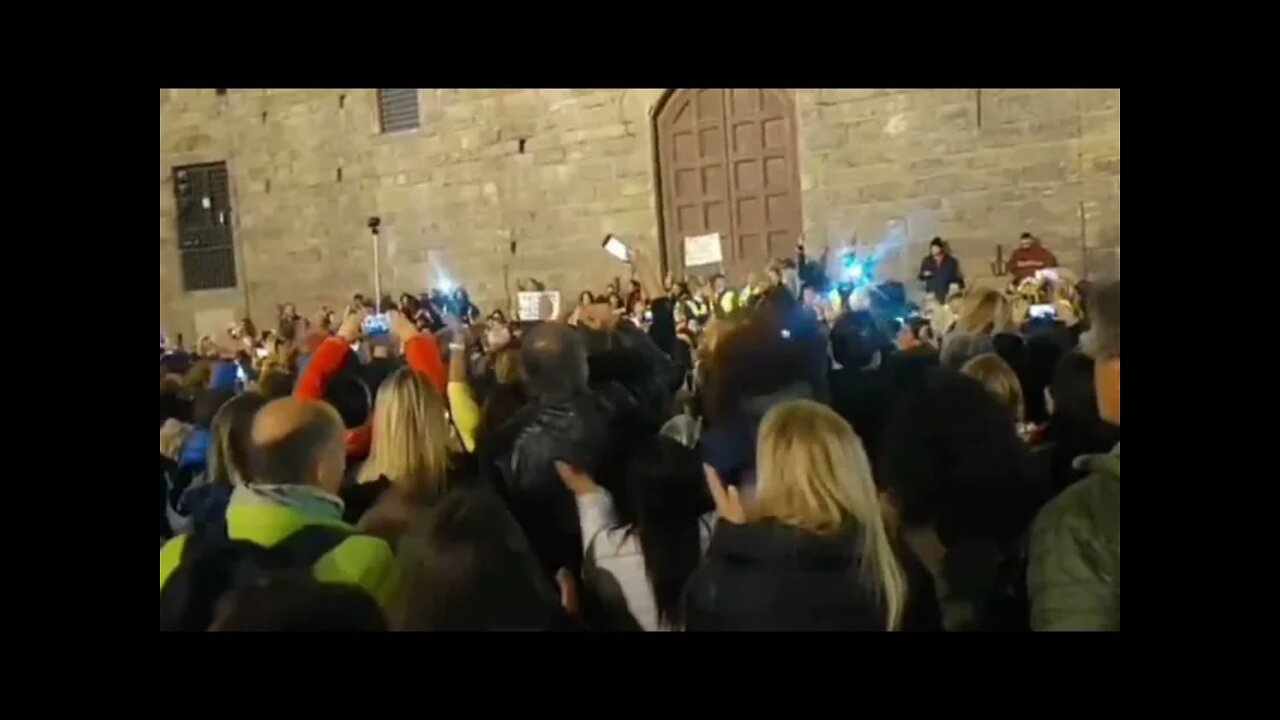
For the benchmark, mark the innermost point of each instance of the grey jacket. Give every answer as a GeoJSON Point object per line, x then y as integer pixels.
{"type": "Point", "coordinates": [1074, 573]}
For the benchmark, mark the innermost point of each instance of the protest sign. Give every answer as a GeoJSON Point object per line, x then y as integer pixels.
{"type": "Point", "coordinates": [538, 305]}
{"type": "Point", "coordinates": [702, 250]}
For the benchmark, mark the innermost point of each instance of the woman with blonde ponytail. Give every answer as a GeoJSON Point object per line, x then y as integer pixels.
{"type": "Point", "coordinates": [811, 552]}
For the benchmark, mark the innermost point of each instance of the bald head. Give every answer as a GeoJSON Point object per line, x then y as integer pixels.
{"type": "Point", "coordinates": [554, 360]}
{"type": "Point", "coordinates": [296, 442]}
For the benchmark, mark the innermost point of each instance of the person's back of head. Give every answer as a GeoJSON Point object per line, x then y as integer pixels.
{"type": "Point", "coordinates": [553, 361]}
{"type": "Point", "coordinates": [348, 393]}
{"type": "Point", "coordinates": [760, 357]}
{"type": "Point", "coordinates": [1010, 347]}
{"type": "Point", "coordinates": [984, 311]}
{"type": "Point", "coordinates": [1044, 350]}
{"type": "Point", "coordinates": [466, 566]}
{"type": "Point", "coordinates": [232, 426]}
{"type": "Point", "coordinates": [506, 365]}
{"type": "Point", "coordinates": [172, 404]}
{"type": "Point", "coordinates": [813, 475]}
{"type": "Point", "coordinates": [295, 442]}
{"type": "Point", "coordinates": [294, 601]}
{"type": "Point", "coordinates": [275, 384]}
{"type": "Point", "coordinates": [1102, 343]}
{"type": "Point", "coordinates": [999, 380]}
{"type": "Point", "coordinates": [959, 347]}
{"type": "Point", "coordinates": [207, 404]}
{"type": "Point", "coordinates": [856, 338]}
{"type": "Point", "coordinates": [955, 463]}
{"type": "Point", "coordinates": [410, 443]}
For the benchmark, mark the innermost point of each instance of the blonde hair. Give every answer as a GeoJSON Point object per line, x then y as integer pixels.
{"type": "Point", "coordinates": [985, 311]}
{"type": "Point", "coordinates": [999, 379]}
{"type": "Point", "coordinates": [410, 443]}
{"type": "Point", "coordinates": [814, 475]}
{"type": "Point", "coordinates": [506, 366]}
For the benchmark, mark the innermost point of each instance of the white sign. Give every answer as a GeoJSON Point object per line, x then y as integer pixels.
{"type": "Point", "coordinates": [538, 305]}
{"type": "Point", "coordinates": [702, 250]}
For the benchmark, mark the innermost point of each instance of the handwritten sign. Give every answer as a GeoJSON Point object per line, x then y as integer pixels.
{"type": "Point", "coordinates": [702, 250]}
{"type": "Point", "coordinates": [539, 305]}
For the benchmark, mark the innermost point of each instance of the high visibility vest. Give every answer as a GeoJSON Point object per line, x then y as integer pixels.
{"type": "Point", "coordinates": [727, 302]}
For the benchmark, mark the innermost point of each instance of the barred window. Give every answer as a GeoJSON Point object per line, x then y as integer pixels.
{"type": "Point", "coordinates": [205, 242]}
{"type": "Point", "coordinates": [398, 109]}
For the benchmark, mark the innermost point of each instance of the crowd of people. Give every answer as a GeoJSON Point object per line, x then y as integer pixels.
{"type": "Point", "coordinates": [809, 450]}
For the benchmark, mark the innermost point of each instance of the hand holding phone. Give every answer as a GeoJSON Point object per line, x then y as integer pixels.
{"type": "Point", "coordinates": [616, 248]}
{"type": "Point", "coordinates": [377, 324]}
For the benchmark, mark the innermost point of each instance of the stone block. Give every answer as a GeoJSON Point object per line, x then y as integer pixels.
{"type": "Point", "coordinates": [825, 137]}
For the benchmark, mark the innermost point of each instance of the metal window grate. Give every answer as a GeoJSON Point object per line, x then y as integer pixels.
{"type": "Point", "coordinates": [398, 109]}
{"type": "Point", "coordinates": [205, 240]}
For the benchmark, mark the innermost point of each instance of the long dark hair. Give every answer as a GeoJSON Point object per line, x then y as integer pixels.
{"type": "Point", "coordinates": [665, 499]}
{"type": "Point", "coordinates": [466, 566]}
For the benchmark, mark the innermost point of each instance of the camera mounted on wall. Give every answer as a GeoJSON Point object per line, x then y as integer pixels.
{"type": "Point", "coordinates": [374, 223]}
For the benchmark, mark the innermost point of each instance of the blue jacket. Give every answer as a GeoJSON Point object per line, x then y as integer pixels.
{"type": "Point", "coordinates": [195, 449]}
{"type": "Point", "coordinates": [223, 377]}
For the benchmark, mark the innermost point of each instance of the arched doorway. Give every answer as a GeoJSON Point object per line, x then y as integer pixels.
{"type": "Point", "coordinates": [727, 163]}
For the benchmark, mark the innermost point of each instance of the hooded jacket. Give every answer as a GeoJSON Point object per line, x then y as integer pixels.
{"type": "Point", "coordinates": [1074, 572]}
{"type": "Point", "coordinates": [267, 514]}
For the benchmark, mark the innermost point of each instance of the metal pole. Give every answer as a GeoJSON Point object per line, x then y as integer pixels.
{"type": "Point", "coordinates": [377, 272]}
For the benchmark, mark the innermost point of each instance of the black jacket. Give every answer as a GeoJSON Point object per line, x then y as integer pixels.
{"type": "Point", "coordinates": [518, 459]}
{"type": "Point", "coordinates": [863, 398]}
{"type": "Point", "coordinates": [938, 276]}
{"type": "Point", "coordinates": [767, 576]}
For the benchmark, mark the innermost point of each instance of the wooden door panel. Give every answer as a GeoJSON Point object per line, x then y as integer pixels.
{"type": "Point", "coordinates": [728, 164]}
{"type": "Point", "coordinates": [691, 157]}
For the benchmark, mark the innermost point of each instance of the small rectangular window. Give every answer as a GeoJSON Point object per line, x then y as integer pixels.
{"type": "Point", "coordinates": [398, 109]}
{"type": "Point", "coordinates": [205, 241]}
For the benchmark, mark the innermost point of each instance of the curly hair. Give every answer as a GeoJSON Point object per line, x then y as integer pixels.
{"type": "Point", "coordinates": [956, 463]}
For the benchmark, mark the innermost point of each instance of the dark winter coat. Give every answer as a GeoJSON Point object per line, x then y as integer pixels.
{"type": "Point", "coordinates": [768, 576]}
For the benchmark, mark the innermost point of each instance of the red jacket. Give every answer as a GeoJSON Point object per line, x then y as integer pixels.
{"type": "Point", "coordinates": [421, 352]}
{"type": "Point", "coordinates": [1026, 261]}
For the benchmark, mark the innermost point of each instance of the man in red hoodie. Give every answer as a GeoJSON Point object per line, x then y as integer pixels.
{"type": "Point", "coordinates": [420, 353]}
{"type": "Point", "coordinates": [1029, 257]}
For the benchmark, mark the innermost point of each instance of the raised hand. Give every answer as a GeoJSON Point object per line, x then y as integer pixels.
{"type": "Point", "coordinates": [400, 326]}
{"type": "Point", "coordinates": [578, 482]}
{"type": "Point", "coordinates": [350, 330]}
{"type": "Point", "coordinates": [728, 504]}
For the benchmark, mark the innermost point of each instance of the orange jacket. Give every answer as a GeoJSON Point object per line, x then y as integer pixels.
{"type": "Point", "coordinates": [421, 353]}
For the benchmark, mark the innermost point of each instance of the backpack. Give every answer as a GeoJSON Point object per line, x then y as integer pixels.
{"type": "Point", "coordinates": [213, 565]}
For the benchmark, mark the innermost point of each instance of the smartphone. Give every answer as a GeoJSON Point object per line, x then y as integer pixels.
{"type": "Point", "coordinates": [375, 324]}
{"type": "Point", "coordinates": [616, 248]}
{"type": "Point", "coordinates": [1039, 312]}
{"type": "Point", "coordinates": [261, 352]}
{"type": "Point", "coordinates": [241, 376]}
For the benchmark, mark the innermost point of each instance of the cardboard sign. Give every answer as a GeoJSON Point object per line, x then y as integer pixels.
{"type": "Point", "coordinates": [702, 250]}
{"type": "Point", "coordinates": [538, 305]}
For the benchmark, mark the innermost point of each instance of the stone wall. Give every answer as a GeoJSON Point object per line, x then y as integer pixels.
{"type": "Point", "coordinates": [977, 167]}
{"type": "Point", "coordinates": [550, 171]}
{"type": "Point", "coordinates": [547, 173]}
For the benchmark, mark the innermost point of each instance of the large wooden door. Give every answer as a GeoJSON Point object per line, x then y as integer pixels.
{"type": "Point", "coordinates": [728, 164]}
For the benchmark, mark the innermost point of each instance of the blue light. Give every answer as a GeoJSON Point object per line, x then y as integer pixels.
{"type": "Point", "coordinates": [855, 272]}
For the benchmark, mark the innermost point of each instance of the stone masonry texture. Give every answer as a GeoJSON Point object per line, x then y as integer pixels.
{"type": "Point", "coordinates": [547, 173]}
